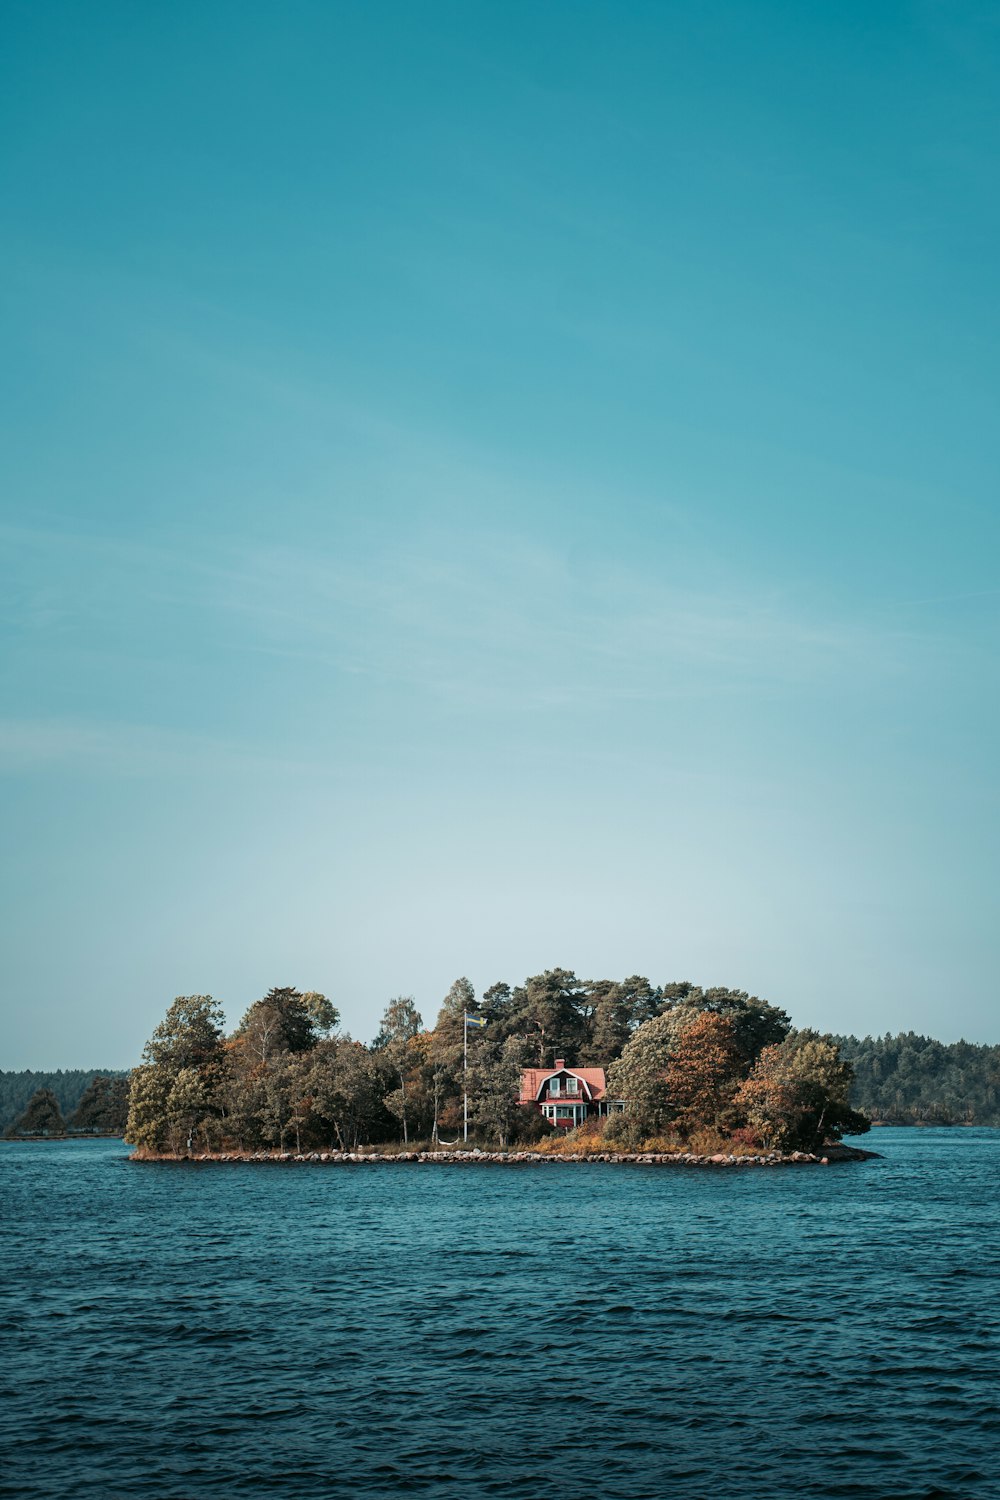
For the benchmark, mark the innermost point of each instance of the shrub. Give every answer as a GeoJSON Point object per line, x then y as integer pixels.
{"type": "Point", "coordinates": [565, 1143]}
{"type": "Point", "coordinates": [622, 1133]}
{"type": "Point", "coordinates": [707, 1141]}
{"type": "Point", "coordinates": [663, 1143]}
{"type": "Point", "coordinates": [530, 1126]}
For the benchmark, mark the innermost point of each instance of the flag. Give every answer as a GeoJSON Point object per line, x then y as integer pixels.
{"type": "Point", "coordinates": [474, 1020]}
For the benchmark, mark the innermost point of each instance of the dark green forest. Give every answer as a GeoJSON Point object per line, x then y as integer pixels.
{"type": "Point", "coordinates": [910, 1079]}
{"type": "Point", "coordinates": [67, 1085]}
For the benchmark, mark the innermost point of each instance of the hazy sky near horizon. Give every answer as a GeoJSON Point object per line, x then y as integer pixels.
{"type": "Point", "coordinates": [496, 486]}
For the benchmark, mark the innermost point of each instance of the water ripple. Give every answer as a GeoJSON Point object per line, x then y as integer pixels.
{"type": "Point", "coordinates": [168, 1335]}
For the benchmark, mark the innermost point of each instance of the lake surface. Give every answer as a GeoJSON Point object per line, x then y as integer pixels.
{"type": "Point", "coordinates": [183, 1331]}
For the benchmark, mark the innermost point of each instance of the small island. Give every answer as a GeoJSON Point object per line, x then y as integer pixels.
{"type": "Point", "coordinates": [553, 1070]}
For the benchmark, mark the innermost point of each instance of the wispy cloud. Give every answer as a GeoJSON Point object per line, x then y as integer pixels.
{"type": "Point", "coordinates": [492, 622]}
{"type": "Point", "coordinates": [129, 750]}
{"type": "Point", "coordinates": [501, 618]}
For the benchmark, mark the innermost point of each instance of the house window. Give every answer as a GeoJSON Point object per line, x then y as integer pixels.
{"type": "Point", "coordinates": [572, 1085]}
{"type": "Point", "coordinates": [553, 1087]}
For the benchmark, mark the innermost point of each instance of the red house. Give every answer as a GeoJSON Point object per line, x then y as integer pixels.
{"type": "Point", "coordinates": [567, 1096]}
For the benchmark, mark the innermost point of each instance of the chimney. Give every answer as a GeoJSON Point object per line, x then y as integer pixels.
{"type": "Point", "coordinates": [560, 1063]}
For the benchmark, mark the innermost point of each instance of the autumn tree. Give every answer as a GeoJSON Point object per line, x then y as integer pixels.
{"type": "Point", "coordinates": [797, 1095]}
{"type": "Point", "coordinates": [756, 1024]}
{"type": "Point", "coordinates": [638, 1077]}
{"type": "Point", "coordinates": [824, 1080]}
{"type": "Point", "coordinates": [702, 1070]}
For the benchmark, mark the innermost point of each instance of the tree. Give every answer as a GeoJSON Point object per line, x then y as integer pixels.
{"type": "Point", "coordinates": [608, 1024]}
{"type": "Point", "coordinates": [185, 1050]}
{"type": "Point", "coordinates": [444, 1051]}
{"type": "Point", "coordinates": [42, 1116]}
{"type": "Point", "coordinates": [148, 1122]}
{"type": "Point", "coordinates": [771, 1102]}
{"type": "Point", "coordinates": [323, 1014]}
{"type": "Point", "coordinates": [495, 1007]}
{"type": "Point", "coordinates": [639, 1075]}
{"type": "Point", "coordinates": [461, 998]}
{"type": "Point", "coordinates": [187, 1102]}
{"type": "Point", "coordinates": [797, 1095]}
{"type": "Point", "coordinates": [494, 1088]}
{"type": "Point", "coordinates": [188, 1036]}
{"type": "Point", "coordinates": [345, 1087]}
{"type": "Point", "coordinates": [824, 1080]}
{"type": "Point", "coordinates": [300, 1114]}
{"type": "Point", "coordinates": [546, 1011]}
{"type": "Point", "coordinates": [702, 1070]}
{"type": "Point", "coordinates": [618, 1007]}
{"type": "Point", "coordinates": [400, 1024]}
{"type": "Point", "coordinates": [275, 1099]}
{"type": "Point", "coordinates": [756, 1024]}
{"type": "Point", "coordinates": [261, 1034]}
{"type": "Point", "coordinates": [287, 1021]}
{"type": "Point", "coordinates": [103, 1106]}
{"type": "Point", "coordinates": [238, 1096]}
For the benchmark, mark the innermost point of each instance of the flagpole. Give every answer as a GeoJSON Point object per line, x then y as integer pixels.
{"type": "Point", "coordinates": [465, 1075]}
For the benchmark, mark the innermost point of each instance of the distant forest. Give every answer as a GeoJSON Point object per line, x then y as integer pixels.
{"type": "Point", "coordinates": [68, 1085]}
{"type": "Point", "coordinates": [907, 1079]}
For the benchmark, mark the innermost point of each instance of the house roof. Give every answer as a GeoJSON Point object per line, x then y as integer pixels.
{"type": "Point", "coordinates": [533, 1078]}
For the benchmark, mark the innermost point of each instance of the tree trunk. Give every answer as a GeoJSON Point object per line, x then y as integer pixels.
{"type": "Point", "coordinates": [402, 1094]}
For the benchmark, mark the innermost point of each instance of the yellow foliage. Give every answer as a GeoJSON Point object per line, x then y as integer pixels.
{"type": "Point", "coordinates": [707, 1141]}
{"type": "Point", "coordinates": [663, 1144]}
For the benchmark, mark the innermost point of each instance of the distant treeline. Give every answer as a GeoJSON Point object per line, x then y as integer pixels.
{"type": "Point", "coordinates": [909, 1078]}
{"type": "Point", "coordinates": [68, 1085]}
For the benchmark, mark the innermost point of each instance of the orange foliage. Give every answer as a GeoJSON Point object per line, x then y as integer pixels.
{"type": "Point", "coordinates": [702, 1073]}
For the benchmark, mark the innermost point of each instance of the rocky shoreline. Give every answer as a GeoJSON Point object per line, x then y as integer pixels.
{"type": "Point", "coordinates": [829, 1155]}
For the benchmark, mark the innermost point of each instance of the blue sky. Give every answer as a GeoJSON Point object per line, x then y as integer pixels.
{"type": "Point", "coordinates": [492, 486]}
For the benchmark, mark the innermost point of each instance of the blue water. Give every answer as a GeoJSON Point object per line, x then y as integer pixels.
{"type": "Point", "coordinates": [626, 1331]}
